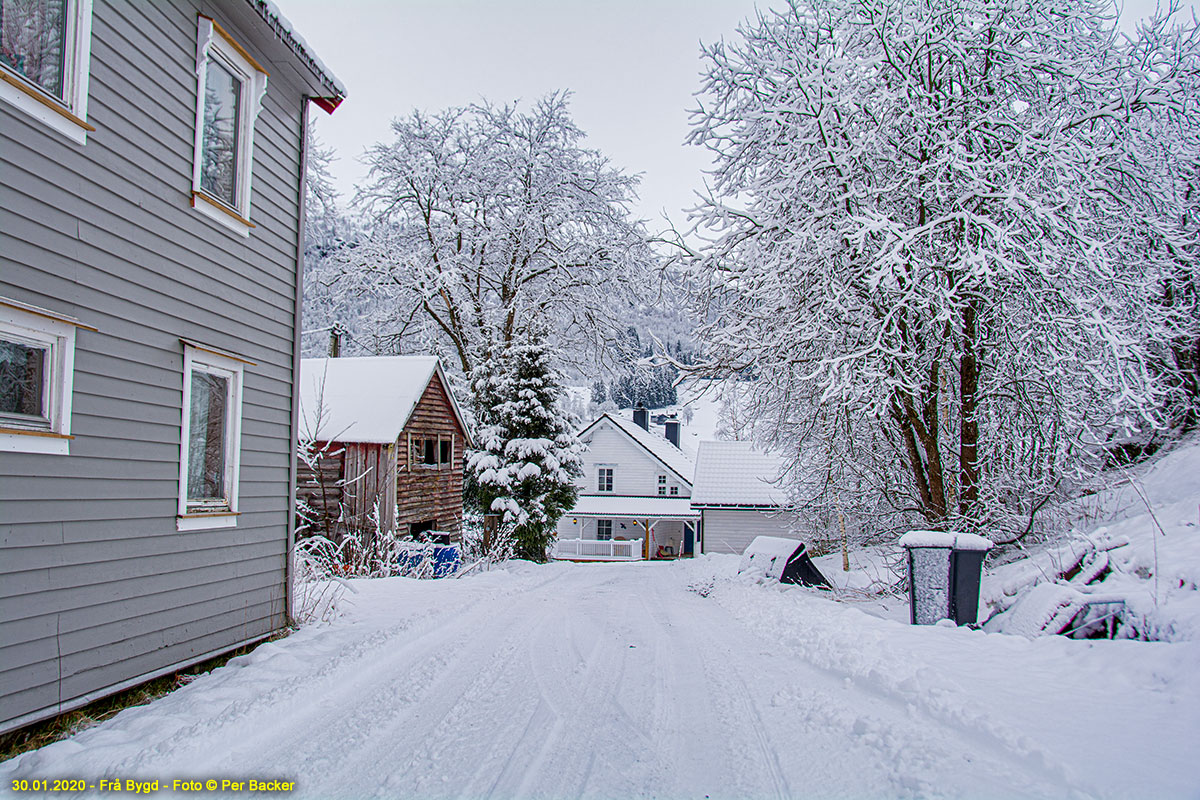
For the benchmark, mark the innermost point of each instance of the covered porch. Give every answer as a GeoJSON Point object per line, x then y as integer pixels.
{"type": "Point", "coordinates": [614, 528]}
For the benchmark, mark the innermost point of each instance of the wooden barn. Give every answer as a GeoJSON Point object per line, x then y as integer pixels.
{"type": "Point", "coordinates": [381, 438]}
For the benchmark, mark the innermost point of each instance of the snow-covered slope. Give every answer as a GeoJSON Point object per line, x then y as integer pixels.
{"type": "Point", "coordinates": [1138, 541]}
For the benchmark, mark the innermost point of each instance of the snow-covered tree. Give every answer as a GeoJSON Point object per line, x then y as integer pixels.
{"type": "Point", "coordinates": [528, 455]}
{"type": "Point", "coordinates": [486, 218]}
{"type": "Point", "coordinates": [934, 236]}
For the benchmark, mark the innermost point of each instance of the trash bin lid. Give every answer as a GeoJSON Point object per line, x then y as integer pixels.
{"type": "Point", "coordinates": [957, 541]}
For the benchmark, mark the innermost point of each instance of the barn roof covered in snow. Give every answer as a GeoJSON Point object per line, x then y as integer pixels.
{"type": "Point", "coordinates": [671, 456]}
{"type": "Point", "coordinates": [737, 474]}
{"type": "Point", "coordinates": [367, 399]}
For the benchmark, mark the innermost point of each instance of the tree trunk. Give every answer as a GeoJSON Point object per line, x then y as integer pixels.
{"type": "Point", "coordinates": [968, 378]}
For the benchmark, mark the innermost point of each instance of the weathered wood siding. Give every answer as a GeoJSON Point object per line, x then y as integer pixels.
{"type": "Point", "coordinates": [731, 531]}
{"type": "Point", "coordinates": [319, 488]}
{"type": "Point", "coordinates": [424, 493]}
{"type": "Point", "coordinates": [97, 587]}
{"type": "Point", "coordinates": [370, 485]}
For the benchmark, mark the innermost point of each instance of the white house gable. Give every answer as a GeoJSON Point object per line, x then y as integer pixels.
{"type": "Point", "coordinates": [635, 471]}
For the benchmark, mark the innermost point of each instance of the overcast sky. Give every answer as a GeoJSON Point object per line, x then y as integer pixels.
{"type": "Point", "coordinates": [631, 64]}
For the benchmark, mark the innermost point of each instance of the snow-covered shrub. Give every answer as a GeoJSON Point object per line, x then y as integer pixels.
{"type": "Point", "coordinates": [317, 585]}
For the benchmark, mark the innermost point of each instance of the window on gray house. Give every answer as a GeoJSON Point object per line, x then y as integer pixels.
{"type": "Point", "coordinates": [219, 145]}
{"type": "Point", "coordinates": [605, 482]}
{"type": "Point", "coordinates": [23, 384]}
{"type": "Point", "coordinates": [207, 440]}
{"type": "Point", "coordinates": [33, 41]}
{"type": "Point", "coordinates": [604, 529]}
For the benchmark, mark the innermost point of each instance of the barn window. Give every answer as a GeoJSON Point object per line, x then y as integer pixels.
{"type": "Point", "coordinates": [37, 359]}
{"type": "Point", "coordinates": [429, 453]}
{"type": "Point", "coordinates": [45, 52]}
{"type": "Point", "coordinates": [211, 438]}
{"type": "Point", "coordinates": [446, 456]}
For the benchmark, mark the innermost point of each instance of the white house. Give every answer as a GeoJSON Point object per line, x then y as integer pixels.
{"type": "Point", "coordinates": [737, 495]}
{"type": "Point", "coordinates": [634, 496]}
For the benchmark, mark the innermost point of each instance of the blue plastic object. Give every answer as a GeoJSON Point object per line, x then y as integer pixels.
{"type": "Point", "coordinates": [428, 560]}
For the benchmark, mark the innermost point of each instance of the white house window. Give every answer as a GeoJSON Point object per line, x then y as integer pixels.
{"type": "Point", "coordinates": [45, 54]}
{"type": "Point", "coordinates": [211, 429]}
{"type": "Point", "coordinates": [604, 529]}
{"type": "Point", "coordinates": [674, 491]}
{"type": "Point", "coordinates": [662, 484]}
{"type": "Point", "coordinates": [605, 481]}
{"type": "Point", "coordinates": [230, 88]}
{"type": "Point", "coordinates": [37, 365]}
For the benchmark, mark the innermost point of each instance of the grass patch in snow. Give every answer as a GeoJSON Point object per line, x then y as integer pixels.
{"type": "Point", "coordinates": [39, 734]}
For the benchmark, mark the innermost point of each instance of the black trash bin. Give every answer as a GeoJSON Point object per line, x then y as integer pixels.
{"type": "Point", "coordinates": [943, 575]}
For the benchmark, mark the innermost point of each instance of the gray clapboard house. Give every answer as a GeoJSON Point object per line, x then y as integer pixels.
{"type": "Point", "coordinates": [150, 223]}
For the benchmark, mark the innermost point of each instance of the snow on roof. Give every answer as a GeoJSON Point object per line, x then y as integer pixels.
{"type": "Point", "coordinates": [270, 14]}
{"type": "Point", "coordinates": [591, 505]}
{"type": "Point", "coordinates": [367, 399]}
{"type": "Point", "coordinates": [737, 474]}
{"type": "Point", "coordinates": [671, 456]}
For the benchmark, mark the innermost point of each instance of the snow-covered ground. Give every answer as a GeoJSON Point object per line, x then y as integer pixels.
{"type": "Point", "coordinates": [658, 680]}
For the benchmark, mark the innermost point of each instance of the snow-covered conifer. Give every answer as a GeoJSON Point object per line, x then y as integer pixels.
{"type": "Point", "coordinates": [528, 455]}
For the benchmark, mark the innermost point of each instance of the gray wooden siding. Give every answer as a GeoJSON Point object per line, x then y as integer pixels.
{"type": "Point", "coordinates": [97, 587]}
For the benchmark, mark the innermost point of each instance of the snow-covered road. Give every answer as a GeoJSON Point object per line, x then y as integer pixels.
{"type": "Point", "coordinates": [662, 680]}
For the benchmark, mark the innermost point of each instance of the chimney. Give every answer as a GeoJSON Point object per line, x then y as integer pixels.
{"type": "Point", "coordinates": [641, 416]}
{"type": "Point", "coordinates": [672, 426]}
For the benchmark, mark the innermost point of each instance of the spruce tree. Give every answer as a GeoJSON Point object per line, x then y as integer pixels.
{"type": "Point", "coordinates": [528, 455]}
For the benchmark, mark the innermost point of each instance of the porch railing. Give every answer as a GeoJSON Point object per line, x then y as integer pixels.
{"type": "Point", "coordinates": [598, 549]}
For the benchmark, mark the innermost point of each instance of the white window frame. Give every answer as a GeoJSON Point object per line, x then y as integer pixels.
{"type": "Point", "coordinates": [612, 478]}
{"type": "Point", "coordinates": [662, 485]}
{"type": "Point", "coordinates": [41, 327]}
{"type": "Point", "coordinates": [213, 42]}
{"type": "Point", "coordinates": [610, 530]}
{"type": "Point", "coordinates": [199, 358]}
{"type": "Point", "coordinates": [66, 115]}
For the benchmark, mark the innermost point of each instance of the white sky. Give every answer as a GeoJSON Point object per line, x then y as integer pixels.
{"type": "Point", "coordinates": [632, 65]}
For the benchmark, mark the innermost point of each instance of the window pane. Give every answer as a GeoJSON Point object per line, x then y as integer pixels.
{"type": "Point", "coordinates": [22, 378]}
{"type": "Point", "coordinates": [206, 443]}
{"type": "Point", "coordinates": [218, 154]}
{"type": "Point", "coordinates": [33, 36]}
{"type": "Point", "coordinates": [445, 459]}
